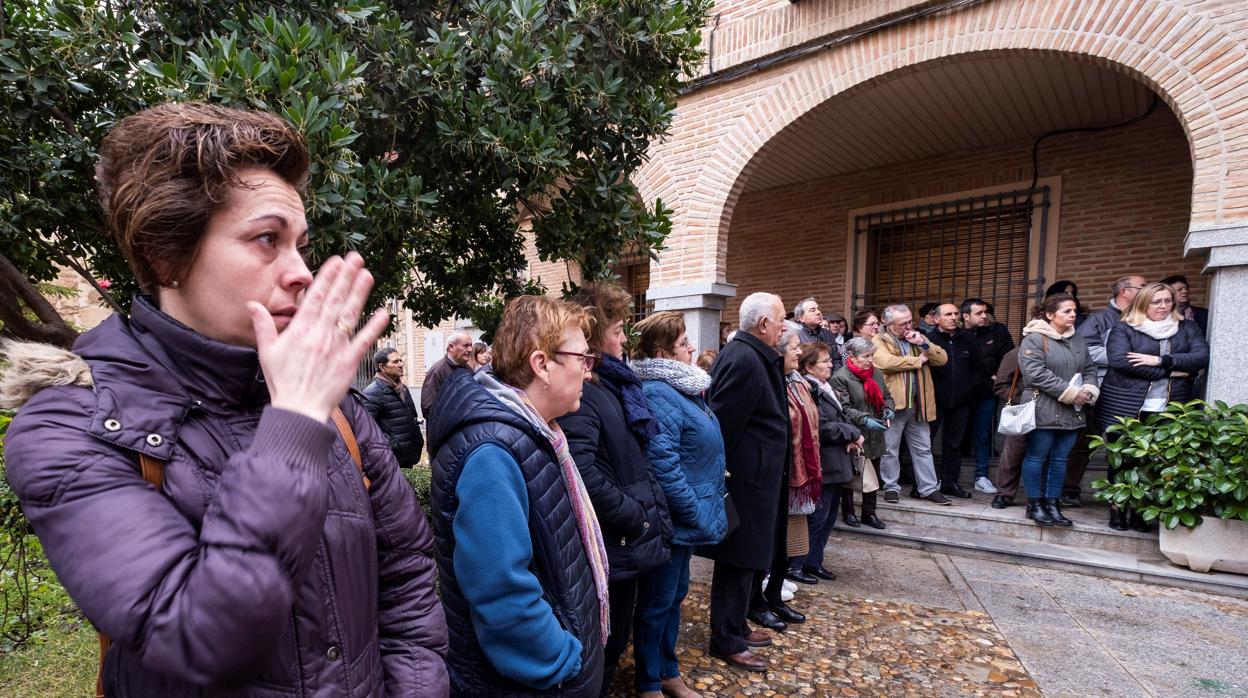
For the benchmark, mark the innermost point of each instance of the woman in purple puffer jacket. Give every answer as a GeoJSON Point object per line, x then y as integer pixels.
{"type": "Point", "coordinates": [265, 564]}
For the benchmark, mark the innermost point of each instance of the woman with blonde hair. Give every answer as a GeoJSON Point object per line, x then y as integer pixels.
{"type": "Point", "coordinates": [1154, 355]}
{"type": "Point", "coordinates": [521, 559]}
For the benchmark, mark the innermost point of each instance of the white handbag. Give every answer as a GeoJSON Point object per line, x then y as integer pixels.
{"type": "Point", "coordinates": [1017, 420]}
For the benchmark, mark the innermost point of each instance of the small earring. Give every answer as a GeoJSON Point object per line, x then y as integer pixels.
{"type": "Point", "coordinates": [173, 284]}
{"type": "Point", "coordinates": [546, 387]}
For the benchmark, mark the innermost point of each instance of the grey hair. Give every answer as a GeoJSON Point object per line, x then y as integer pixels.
{"type": "Point", "coordinates": [800, 309]}
{"type": "Point", "coordinates": [1122, 284]}
{"type": "Point", "coordinates": [456, 335]}
{"type": "Point", "coordinates": [893, 311]}
{"type": "Point", "coordinates": [791, 329]}
{"type": "Point", "coordinates": [859, 346]}
{"type": "Point", "coordinates": [754, 308]}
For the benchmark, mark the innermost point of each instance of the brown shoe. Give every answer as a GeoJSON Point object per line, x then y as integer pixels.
{"type": "Point", "coordinates": [743, 660]}
{"type": "Point", "coordinates": [758, 638]}
{"type": "Point", "coordinates": [676, 688]}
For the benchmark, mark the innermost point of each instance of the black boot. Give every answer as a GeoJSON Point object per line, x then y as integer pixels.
{"type": "Point", "coordinates": [1054, 510]}
{"type": "Point", "coordinates": [1137, 522]}
{"type": "Point", "coordinates": [1117, 519]}
{"type": "Point", "coordinates": [1037, 512]}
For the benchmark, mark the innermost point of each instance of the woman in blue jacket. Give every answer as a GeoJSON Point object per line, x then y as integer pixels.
{"type": "Point", "coordinates": [687, 455]}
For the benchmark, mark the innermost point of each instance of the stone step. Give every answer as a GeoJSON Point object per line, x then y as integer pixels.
{"type": "Point", "coordinates": [1042, 551]}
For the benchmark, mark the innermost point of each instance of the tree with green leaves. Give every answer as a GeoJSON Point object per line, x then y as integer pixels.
{"type": "Point", "coordinates": [432, 127]}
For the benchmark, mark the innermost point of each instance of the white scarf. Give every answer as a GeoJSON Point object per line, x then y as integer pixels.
{"type": "Point", "coordinates": [684, 377]}
{"type": "Point", "coordinates": [1159, 329]}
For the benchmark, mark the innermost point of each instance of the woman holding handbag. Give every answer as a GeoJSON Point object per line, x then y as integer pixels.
{"type": "Point", "coordinates": [838, 440]}
{"type": "Point", "coordinates": [1059, 377]}
{"type": "Point", "coordinates": [1154, 355]}
{"type": "Point", "coordinates": [861, 389]}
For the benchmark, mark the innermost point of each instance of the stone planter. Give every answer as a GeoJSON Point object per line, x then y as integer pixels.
{"type": "Point", "coordinates": [1216, 544]}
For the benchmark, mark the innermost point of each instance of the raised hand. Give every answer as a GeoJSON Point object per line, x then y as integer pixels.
{"type": "Point", "coordinates": [310, 365]}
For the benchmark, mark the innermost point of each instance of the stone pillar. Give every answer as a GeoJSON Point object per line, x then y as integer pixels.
{"type": "Point", "coordinates": [702, 304]}
{"type": "Point", "coordinates": [1228, 323]}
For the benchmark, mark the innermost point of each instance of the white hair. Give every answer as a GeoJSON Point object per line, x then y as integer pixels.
{"type": "Point", "coordinates": [458, 335]}
{"type": "Point", "coordinates": [791, 329]}
{"type": "Point", "coordinates": [893, 311]}
{"type": "Point", "coordinates": [755, 307]}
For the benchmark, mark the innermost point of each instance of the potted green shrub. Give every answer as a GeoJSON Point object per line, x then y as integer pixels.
{"type": "Point", "coordinates": [1187, 469]}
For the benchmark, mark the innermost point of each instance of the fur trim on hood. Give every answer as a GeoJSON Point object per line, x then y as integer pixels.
{"type": "Point", "coordinates": [31, 367]}
{"type": "Point", "coordinates": [1043, 327]}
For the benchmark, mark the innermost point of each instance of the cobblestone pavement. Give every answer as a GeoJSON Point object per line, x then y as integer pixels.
{"type": "Point", "coordinates": [855, 648]}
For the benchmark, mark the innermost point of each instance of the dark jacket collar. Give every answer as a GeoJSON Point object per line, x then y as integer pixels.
{"type": "Point", "coordinates": [769, 354]}
{"type": "Point", "coordinates": [463, 402]}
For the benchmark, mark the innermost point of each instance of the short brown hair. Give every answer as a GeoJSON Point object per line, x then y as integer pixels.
{"type": "Point", "coordinates": [164, 171]}
{"type": "Point", "coordinates": [706, 359]}
{"type": "Point", "coordinates": [607, 304]}
{"type": "Point", "coordinates": [1051, 304]}
{"type": "Point", "coordinates": [861, 317]}
{"type": "Point", "coordinates": [529, 324]}
{"type": "Point", "coordinates": [810, 354]}
{"type": "Point", "coordinates": [659, 332]}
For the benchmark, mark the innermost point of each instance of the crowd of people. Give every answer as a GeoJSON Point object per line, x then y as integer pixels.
{"type": "Point", "coordinates": [233, 518]}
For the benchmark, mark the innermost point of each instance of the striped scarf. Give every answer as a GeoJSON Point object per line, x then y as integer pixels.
{"type": "Point", "coordinates": [905, 348]}
{"type": "Point", "coordinates": [582, 509]}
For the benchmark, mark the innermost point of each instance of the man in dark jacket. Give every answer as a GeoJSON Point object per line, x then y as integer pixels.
{"type": "Point", "coordinates": [458, 350]}
{"type": "Point", "coordinates": [954, 382]}
{"type": "Point", "coordinates": [1007, 385]}
{"type": "Point", "coordinates": [391, 404]}
{"type": "Point", "coordinates": [993, 342]}
{"type": "Point", "coordinates": [747, 396]}
{"type": "Point", "coordinates": [810, 320]}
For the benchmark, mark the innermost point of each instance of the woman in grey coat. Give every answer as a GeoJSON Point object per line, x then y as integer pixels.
{"type": "Point", "coordinates": [860, 388]}
{"type": "Point", "coordinates": [1060, 376]}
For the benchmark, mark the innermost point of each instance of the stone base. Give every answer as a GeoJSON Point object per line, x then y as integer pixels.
{"type": "Point", "coordinates": [1216, 544]}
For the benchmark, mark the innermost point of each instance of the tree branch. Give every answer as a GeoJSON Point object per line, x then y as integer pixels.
{"type": "Point", "coordinates": [82, 271]}
{"type": "Point", "coordinates": [17, 291]}
{"type": "Point", "coordinates": [64, 119]}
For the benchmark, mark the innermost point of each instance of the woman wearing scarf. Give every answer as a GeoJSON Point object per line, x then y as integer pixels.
{"type": "Point", "coordinates": [521, 561]}
{"type": "Point", "coordinates": [687, 454]}
{"type": "Point", "coordinates": [837, 439]}
{"type": "Point", "coordinates": [1154, 354]}
{"type": "Point", "coordinates": [608, 437]}
{"type": "Point", "coordinates": [861, 388]}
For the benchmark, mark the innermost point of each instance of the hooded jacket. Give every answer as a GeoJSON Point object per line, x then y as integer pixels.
{"type": "Point", "coordinates": [1048, 361]}
{"type": "Point", "coordinates": [263, 568]}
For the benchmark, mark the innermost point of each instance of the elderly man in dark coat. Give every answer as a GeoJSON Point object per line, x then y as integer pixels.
{"type": "Point", "coordinates": [747, 396]}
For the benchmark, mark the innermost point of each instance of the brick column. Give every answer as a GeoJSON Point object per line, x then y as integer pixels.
{"type": "Point", "coordinates": [702, 303]}
{"type": "Point", "coordinates": [1228, 324]}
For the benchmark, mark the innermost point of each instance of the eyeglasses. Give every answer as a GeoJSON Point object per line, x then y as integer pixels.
{"type": "Point", "coordinates": [1161, 301]}
{"type": "Point", "coordinates": [588, 361]}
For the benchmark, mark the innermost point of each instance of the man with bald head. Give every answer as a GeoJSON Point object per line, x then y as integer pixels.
{"type": "Point", "coordinates": [458, 350]}
{"type": "Point", "coordinates": [954, 382]}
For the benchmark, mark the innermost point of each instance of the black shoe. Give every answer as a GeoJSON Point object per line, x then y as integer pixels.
{"type": "Point", "coordinates": [768, 620]}
{"type": "Point", "coordinates": [821, 572]}
{"type": "Point", "coordinates": [892, 496]}
{"type": "Point", "coordinates": [786, 614]}
{"type": "Point", "coordinates": [1000, 502]}
{"type": "Point", "coordinates": [1037, 513]}
{"type": "Point", "coordinates": [1117, 519]}
{"type": "Point", "coordinates": [955, 490]}
{"type": "Point", "coordinates": [1137, 522]}
{"type": "Point", "coordinates": [873, 521]}
{"type": "Point", "coordinates": [852, 521]}
{"type": "Point", "coordinates": [938, 498]}
{"type": "Point", "coordinates": [800, 577]}
{"type": "Point", "coordinates": [1055, 512]}
{"type": "Point", "coordinates": [914, 494]}
{"type": "Point", "coordinates": [1070, 500]}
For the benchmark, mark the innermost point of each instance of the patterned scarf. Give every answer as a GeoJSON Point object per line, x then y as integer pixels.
{"type": "Point", "coordinates": [616, 376]}
{"type": "Point", "coordinates": [805, 480]}
{"type": "Point", "coordinates": [905, 348]}
{"type": "Point", "coordinates": [684, 377]}
{"type": "Point", "coordinates": [578, 496]}
{"type": "Point", "coordinates": [870, 389]}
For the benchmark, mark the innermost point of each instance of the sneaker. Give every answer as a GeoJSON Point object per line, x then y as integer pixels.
{"type": "Point", "coordinates": [938, 498]}
{"type": "Point", "coordinates": [892, 496]}
{"type": "Point", "coordinates": [983, 484]}
{"type": "Point", "coordinates": [789, 587]}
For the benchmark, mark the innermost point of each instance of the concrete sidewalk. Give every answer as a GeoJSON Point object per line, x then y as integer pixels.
{"type": "Point", "coordinates": [1075, 635]}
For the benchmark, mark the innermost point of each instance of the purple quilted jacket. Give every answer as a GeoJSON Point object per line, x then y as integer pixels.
{"type": "Point", "coordinates": [265, 568]}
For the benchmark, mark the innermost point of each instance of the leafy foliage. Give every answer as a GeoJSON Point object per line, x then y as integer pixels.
{"type": "Point", "coordinates": [433, 126]}
{"type": "Point", "coordinates": [1180, 465]}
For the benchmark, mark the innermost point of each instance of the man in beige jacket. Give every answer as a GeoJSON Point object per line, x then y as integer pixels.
{"type": "Point", "coordinates": [903, 355]}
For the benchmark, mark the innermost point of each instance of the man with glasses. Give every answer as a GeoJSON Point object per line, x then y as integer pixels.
{"type": "Point", "coordinates": [903, 355]}
{"type": "Point", "coordinates": [1094, 331]}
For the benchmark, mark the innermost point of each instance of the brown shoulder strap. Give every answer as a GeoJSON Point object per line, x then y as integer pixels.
{"type": "Point", "coordinates": [1009, 399]}
{"type": "Point", "coordinates": [353, 446]}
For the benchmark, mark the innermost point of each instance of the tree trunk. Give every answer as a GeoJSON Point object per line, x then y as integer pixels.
{"type": "Point", "coordinates": [17, 295]}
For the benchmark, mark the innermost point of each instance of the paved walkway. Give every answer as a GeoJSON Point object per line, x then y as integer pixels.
{"type": "Point", "coordinates": [901, 622]}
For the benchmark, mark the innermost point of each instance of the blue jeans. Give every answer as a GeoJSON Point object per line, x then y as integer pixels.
{"type": "Point", "coordinates": [1047, 447]}
{"type": "Point", "coordinates": [982, 414]}
{"type": "Point", "coordinates": [820, 523]}
{"type": "Point", "coordinates": [659, 595]}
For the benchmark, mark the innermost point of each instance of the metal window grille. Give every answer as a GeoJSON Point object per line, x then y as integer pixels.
{"type": "Point", "coordinates": [634, 272]}
{"type": "Point", "coordinates": [978, 247]}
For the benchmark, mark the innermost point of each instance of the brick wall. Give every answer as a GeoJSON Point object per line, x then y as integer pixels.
{"type": "Point", "coordinates": [1125, 206]}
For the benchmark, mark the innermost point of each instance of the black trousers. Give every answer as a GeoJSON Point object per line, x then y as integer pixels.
{"type": "Point", "coordinates": [868, 498]}
{"type": "Point", "coordinates": [623, 596]}
{"type": "Point", "coordinates": [760, 599]}
{"type": "Point", "coordinates": [954, 420]}
{"type": "Point", "coordinates": [731, 588]}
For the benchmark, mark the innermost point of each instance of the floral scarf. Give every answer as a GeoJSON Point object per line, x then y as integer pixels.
{"type": "Point", "coordinates": [806, 477]}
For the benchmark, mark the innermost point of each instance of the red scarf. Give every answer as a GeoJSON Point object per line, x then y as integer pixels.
{"type": "Point", "coordinates": [875, 396]}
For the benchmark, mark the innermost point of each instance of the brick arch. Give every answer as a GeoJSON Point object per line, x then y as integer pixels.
{"type": "Point", "coordinates": [1195, 66]}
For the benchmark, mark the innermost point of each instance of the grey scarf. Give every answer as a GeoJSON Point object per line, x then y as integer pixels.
{"type": "Point", "coordinates": [684, 377]}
